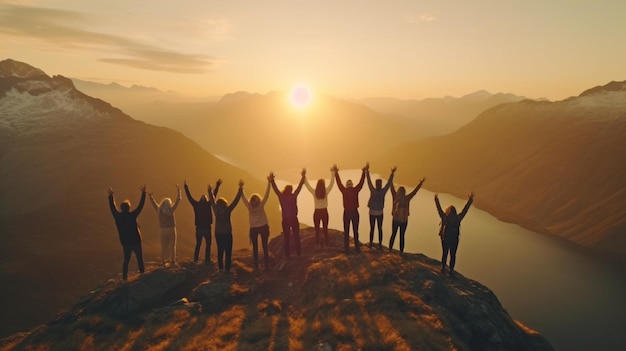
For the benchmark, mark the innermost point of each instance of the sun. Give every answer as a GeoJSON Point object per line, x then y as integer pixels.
{"type": "Point", "coordinates": [300, 96]}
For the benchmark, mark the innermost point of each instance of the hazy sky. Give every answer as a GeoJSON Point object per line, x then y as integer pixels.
{"type": "Point", "coordinates": [349, 48]}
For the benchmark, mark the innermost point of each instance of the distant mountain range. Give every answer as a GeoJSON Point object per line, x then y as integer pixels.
{"type": "Point", "coordinates": [439, 116]}
{"type": "Point", "coordinates": [262, 133]}
{"type": "Point", "coordinates": [329, 124]}
{"type": "Point", "coordinates": [556, 167]}
{"type": "Point", "coordinates": [60, 150]}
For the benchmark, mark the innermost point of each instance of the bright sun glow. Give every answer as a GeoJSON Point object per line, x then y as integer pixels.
{"type": "Point", "coordinates": [300, 96]}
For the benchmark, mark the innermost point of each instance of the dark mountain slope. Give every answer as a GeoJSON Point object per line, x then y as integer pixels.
{"type": "Point", "coordinates": [556, 167]}
{"type": "Point", "coordinates": [61, 152]}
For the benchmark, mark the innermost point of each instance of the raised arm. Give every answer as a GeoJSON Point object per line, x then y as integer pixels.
{"type": "Point", "coordinates": [270, 178]}
{"type": "Point", "coordinates": [390, 180]}
{"type": "Point", "coordinates": [237, 197]}
{"type": "Point", "coordinates": [369, 180]}
{"type": "Point", "coordinates": [417, 188]}
{"type": "Point", "coordinates": [331, 182]}
{"type": "Point", "coordinates": [178, 196]}
{"type": "Point", "coordinates": [442, 215]}
{"type": "Point", "coordinates": [154, 203]}
{"type": "Point", "coordinates": [302, 179]}
{"type": "Point", "coordinates": [361, 181]}
{"type": "Point", "coordinates": [266, 196]}
{"type": "Point", "coordinates": [218, 183]}
{"type": "Point", "coordinates": [339, 185]}
{"type": "Point", "coordinates": [142, 201]}
{"type": "Point", "coordinates": [211, 197]}
{"type": "Point", "coordinates": [245, 200]}
{"type": "Point", "coordinates": [112, 205]}
{"type": "Point", "coordinates": [470, 199]}
{"type": "Point", "coordinates": [308, 186]}
{"type": "Point", "coordinates": [192, 201]}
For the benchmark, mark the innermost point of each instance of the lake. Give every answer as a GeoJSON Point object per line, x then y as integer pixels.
{"type": "Point", "coordinates": [573, 299]}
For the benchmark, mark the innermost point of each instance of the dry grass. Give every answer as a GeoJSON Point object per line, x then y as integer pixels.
{"type": "Point", "coordinates": [370, 301]}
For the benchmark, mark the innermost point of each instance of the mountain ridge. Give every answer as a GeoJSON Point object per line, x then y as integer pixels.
{"type": "Point", "coordinates": [60, 150]}
{"type": "Point", "coordinates": [322, 300]}
{"type": "Point", "coordinates": [553, 167]}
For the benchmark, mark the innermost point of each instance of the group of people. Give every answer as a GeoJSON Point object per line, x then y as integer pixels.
{"type": "Point", "coordinates": [206, 206]}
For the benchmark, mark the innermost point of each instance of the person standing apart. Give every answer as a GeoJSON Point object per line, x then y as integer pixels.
{"type": "Point", "coordinates": [128, 229]}
{"type": "Point", "coordinates": [203, 220]}
{"type": "Point", "coordinates": [320, 215]}
{"type": "Point", "coordinates": [376, 204]}
{"type": "Point", "coordinates": [400, 212]}
{"type": "Point", "coordinates": [450, 231]}
{"type": "Point", "coordinates": [259, 225]}
{"type": "Point", "coordinates": [289, 207]}
{"type": "Point", "coordinates": [223, 227]}
{"type": "Point", "coordinates": [167, 224]}
{"type": "Point", "coordinates": [350, 208]}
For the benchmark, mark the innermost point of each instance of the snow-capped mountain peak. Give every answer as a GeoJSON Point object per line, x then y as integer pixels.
{"type": "Point", "coordinates": [30, 100]}
{"type": "Point", "coordinates": [12, 68]}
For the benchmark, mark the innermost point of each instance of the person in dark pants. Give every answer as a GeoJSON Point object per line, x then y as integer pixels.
{"type": "Point", "coordinates": [203, 221]}
{"type": "Point", "coordinates": [289, 207]}
{"type": "Point", "coordinates": [258, 225]}
{"type": "Point", "coordinates": [350, 208]}
{"type": "Point", "coordinates": [450, 231]}
{"type": "Point", "coordinates": [400, 212]}
{"type": "Point", "coordinates": [376, 204]}
{"type": "Point", "coordinates": [223, 227]}
{"type": "Point", "coordinates": [128, 229]}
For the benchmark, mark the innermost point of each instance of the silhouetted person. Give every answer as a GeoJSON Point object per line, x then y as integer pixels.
{"type": "Point", "coordinates": [400, 212]}
{"type": "Point", "coordinates": [258, 224]}
{"type": "Point", "coordinates": [376, 204]}
{"type": "Point", "coordinates": [223, 227]}
{"type": "Point", "coordinates": [450, 231]}
{"type": "Point", "coordinates": [289, 207]}
{"type": "Point", "coordinates": [128, 229]}
{"type": "Point", "coordinates": [203, 220]}
{"type": "Point", "coordinates": [320, 215]}
{"type": "Point", "coordinates": [167, 224]}
{"type": "Point", "coordinates": [350, 208]}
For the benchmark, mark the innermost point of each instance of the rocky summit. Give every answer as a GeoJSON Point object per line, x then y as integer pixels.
{"type": "Point", "coordinates": [323, 300]}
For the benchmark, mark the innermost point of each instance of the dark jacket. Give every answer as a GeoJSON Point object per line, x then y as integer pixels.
{"type": "Point", "coordinates": [451, 225]}
{"type": "Point", "coordinates": [222, 215]}
{"type": "Point", "coordinates": [202, 209]}
{"type": "Point", "coordinates": [350, 195]}
{"type": "Point", "coordinates": [126, 222]}
{"type": "Point", "coordinates": [288, 202]}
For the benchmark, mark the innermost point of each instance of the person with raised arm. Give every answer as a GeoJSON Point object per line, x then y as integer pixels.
{"type": "Point", "coordinates": [288, 199]}
{"type": "Point", "coordinates": [450, 231]}
{"type": "Point", "coordinates": [167, 224]}
{"type": "Point", "coordinates": [258, 224]}
{"type": "Point", "coordinates": [376, 204]}
{"type": "Point", "coordinates": [128, 229]}
{"type": "Point", "coordinates": [320, 200]}
{"type": "Point", "coordinates": [350, 195]}
{"type": "Point", "coordinates": [203, 220]}
{"type": "Point", "coordinates": [223, 227]}
{"type": "Point", "coordinates": [400, 212]}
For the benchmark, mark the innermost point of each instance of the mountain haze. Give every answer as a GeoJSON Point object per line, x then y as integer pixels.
{"type": "Point", "coordinates": [556, 167]}
{"type": "Point", "coordinates": [264, 132]}
{"type": "Point", "coordinates": [60, 150]}
{"type": "Point", "coordinates": [439, 116]}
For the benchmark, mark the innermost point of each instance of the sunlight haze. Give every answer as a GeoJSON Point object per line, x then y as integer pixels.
{"type": "Point", "coordinates": [350, 49]}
